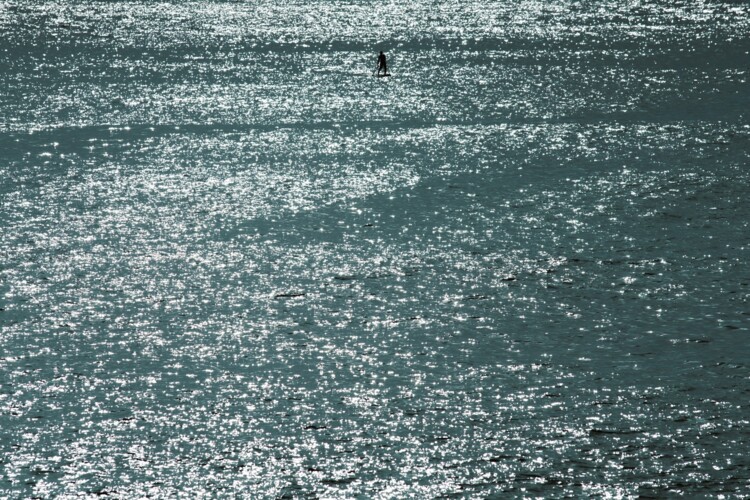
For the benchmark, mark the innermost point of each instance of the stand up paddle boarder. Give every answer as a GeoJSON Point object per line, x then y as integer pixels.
{"type": "Point", "coordinates": [382, 64]}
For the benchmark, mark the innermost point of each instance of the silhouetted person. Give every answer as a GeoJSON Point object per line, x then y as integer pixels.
{"type": "Point", "coordinates": [382, 64]}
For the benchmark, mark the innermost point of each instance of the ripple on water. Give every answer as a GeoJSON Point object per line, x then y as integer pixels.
{"type": "Point", "coordinates": [232, 261]}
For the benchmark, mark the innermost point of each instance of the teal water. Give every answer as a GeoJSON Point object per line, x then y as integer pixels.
{"type": "Point", "coordinates": [233, 264]}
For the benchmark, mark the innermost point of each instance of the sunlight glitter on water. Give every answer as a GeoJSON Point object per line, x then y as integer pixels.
{"type": "Point", "coordinates": [232, 261]}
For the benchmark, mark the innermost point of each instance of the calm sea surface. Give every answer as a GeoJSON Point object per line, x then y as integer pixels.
{"type": "Point", "coordinates": [234, 264]}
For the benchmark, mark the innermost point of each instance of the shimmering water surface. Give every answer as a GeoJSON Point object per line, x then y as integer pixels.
{"type": "Point", "coordinates": [232, 263]}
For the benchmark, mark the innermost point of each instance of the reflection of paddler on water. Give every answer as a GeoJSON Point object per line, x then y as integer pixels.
{"type": "Point", "coordinates": [382, 65]}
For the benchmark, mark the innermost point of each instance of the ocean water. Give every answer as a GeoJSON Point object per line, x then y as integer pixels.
{"type": "Point", "coordinates": [234, 264]}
